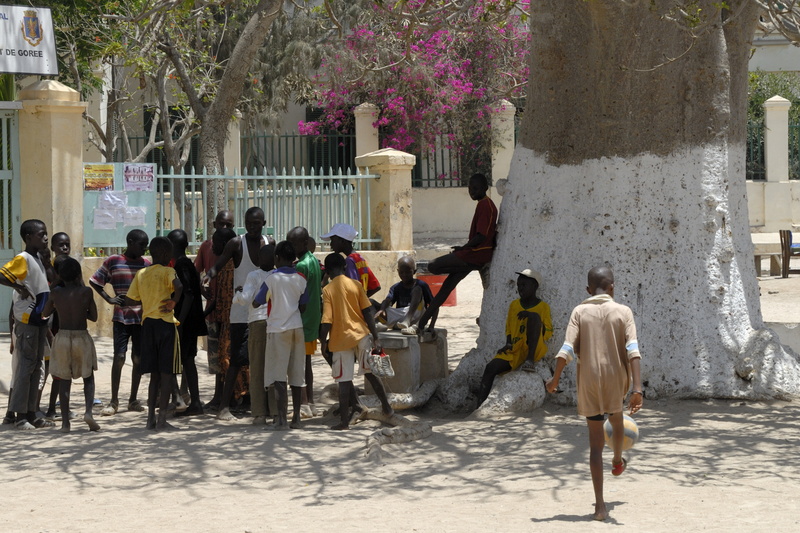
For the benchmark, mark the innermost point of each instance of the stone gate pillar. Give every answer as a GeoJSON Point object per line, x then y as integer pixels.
{"type": "Point", "coordinates": [51, 158]}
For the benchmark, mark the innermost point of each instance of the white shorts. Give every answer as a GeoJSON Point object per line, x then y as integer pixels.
{"type": "Point", "coordinates": [343, 362]}
{"type": "Point", "coordinates": [286, 356]}
{"type": "Point", "coordinates": [396, 314]}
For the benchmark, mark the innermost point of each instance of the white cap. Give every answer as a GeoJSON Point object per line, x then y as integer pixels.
{"type": "Point", "coordinates": [531, 273]}
{"type": "Point", "coordinates": [345, 231]}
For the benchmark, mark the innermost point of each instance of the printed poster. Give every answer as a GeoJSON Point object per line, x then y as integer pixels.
{"type": "Point", "coordinates": [139, 177]}
{"type": "Point", "coordinates": [98, 177]}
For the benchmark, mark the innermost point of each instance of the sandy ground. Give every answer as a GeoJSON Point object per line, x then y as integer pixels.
{"type": "Point", "coordinates": [699, 466]}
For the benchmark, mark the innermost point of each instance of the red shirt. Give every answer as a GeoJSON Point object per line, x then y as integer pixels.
{"type": "Point", "coordinates": [484, 222]}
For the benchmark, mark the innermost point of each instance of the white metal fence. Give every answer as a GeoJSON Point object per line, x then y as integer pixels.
{"type": "Point", "coordinates": [191, 201]}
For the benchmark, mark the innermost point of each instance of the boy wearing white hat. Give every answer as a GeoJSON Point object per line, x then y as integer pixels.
{"type": "Point", "coordinates": [341, 237]}
{"type": "Point", "coordinates": [528, 326]}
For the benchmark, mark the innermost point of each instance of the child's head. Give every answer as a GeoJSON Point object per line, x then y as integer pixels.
{"type": "Point", "coordinates": [179, 241]}
{"type": "Point", "coordinates": [161, 250]}
{"type": "Point", "coordinates": [34, 235]}
{"type": "Point", "coordinates": [334, 264]}
{"type": "Point", "coordinates": [254, 221]}
{"type": "Point", "coordinates": [60, 244]}
{"type": "Point", "coordinates": [528, 282]}
{"type": "Point", "coordinates": [341, 237]}
{"type": "Point", "coordinates": [137, 243]}
{"type": "Point", "coordinates": [284, 254]}
{"type": "Point", "coordinates": [312, 245]}
{"type": "Point", "coordinates": [406, 268]}
{"type": "Point", "coordinates": [220, 239]}
{"type": "Point", "coordinates": [266, 257]}
{"type": "Point", "coordinates": [69, 269]}
{"type": "Point", "coordinates": [224, 219]}
{"type": "Point", "coordinates": [600, 281]}
{"type": "Point", "coordinates": [298, 237]}
{"type": "Point", "coordinates": [478, 185]}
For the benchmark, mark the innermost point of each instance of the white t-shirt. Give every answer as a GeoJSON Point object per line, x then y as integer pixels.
{"type": "Point", "coordinates": [249, 290]}
{"type": "Point", "coordinates": [284, 290]}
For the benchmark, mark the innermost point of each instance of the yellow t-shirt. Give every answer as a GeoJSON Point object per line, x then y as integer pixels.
{"type": "Point", "coordinates": [342, 302]}
{"type": "Point", "coordinates": [516, 330]}
{"type": "Point", "coordinates": [151, 286]}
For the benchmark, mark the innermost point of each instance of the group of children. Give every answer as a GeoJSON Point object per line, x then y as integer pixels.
{"type": "Point", "coordinates": [268, 303]}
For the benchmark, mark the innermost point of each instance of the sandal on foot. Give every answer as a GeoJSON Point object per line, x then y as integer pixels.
{"type": "Point", "coordinates": [43, 423]}
{"type": "Point", "coordinates": [618, 468]}
{"type": "Point", "coordinates": [340, 427]}
{"type": "Point", "coordinates": [135, 405]}
{"type": "Point", "coordinates": [109, 410]}
{"type": "Point", "coordinates": [23, 424]}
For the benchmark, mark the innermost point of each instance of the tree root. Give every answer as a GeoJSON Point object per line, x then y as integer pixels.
{"type": "Point", "coordinates": [405, 430]}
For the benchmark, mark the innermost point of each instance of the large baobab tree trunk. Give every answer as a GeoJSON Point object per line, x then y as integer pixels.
{"type": "Point", "coordinates": [632, 154]}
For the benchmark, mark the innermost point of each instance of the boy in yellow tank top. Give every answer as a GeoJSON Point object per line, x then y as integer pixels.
{"type": "Point", "coordinates": [528, 326]}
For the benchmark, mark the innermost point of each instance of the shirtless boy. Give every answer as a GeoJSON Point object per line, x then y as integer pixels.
{"type": "Point", "coordinates": [243, 250]}
{"type": "Point", "coordinates": [73, 354]}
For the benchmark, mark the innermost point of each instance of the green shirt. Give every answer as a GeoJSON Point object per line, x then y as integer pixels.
{"type": "Point", "coordinates": [308, 266]}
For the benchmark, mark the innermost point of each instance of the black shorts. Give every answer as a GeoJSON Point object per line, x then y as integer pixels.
{"type": "Point", "coordinates": [123, 332]}
{"type": "Point", "coordinates": [161, 350]}
{"type": "Point", "coordinates": [597, 418]}
{"type": "Point", "coordinates": [239, 345]}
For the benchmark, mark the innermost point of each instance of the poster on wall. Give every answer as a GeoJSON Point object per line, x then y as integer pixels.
{"type": "Point", "coordinates": [98, 177]}
{"type": "Point", "coordinates": [28, 44]}
{"type": "Point", "coordinates": [139, 177]}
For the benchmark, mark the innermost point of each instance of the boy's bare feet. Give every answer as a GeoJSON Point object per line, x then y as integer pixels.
{"type": "Point", "coordinates": [225, 414]}
{"type": "Point", "coordinates": [93, 426]}
{"type": "Point", "coordinates": [165, 426]}
{"type": "Point", "coordinates": [340, 427]}
{"type": "Point", "coordinates": [192, 410]}
{"type": "Point", "coordinates": [282, 426]}
{"type": "Point", "coordinates": [600, 512]}
{"type": "Point", "coordinates": [259, 420]}
{"type": "Point", "coordinates": [213, 405]}
{"type": "Point", "coordinates": [295, 425]}
{"type": "Point", "coordinates": [65, 427]}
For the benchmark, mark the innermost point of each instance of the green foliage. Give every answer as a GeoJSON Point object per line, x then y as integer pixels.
{"type": "Point", "coordinates": [764, 85]}
{"type": "Point", "coordinates": [8, 88]}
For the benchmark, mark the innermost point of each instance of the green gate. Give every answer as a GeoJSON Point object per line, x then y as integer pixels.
{"type": "Point", "coordinates": [10, 243]}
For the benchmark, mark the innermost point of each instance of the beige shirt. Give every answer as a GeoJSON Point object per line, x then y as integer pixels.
{"type": "Point", "coordinates": [602, 336]}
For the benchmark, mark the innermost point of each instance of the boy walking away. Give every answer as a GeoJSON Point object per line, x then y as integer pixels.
{"type": "Point", "coordinates": [476, 253]}
{"type": "Point", "coordinates": [189, 311]}
{"type": "Point", "coordinates": [528, 327]}
{"type": "Point", "coordinates": [158, 289]}
{"type": "Point", "coordinates": [342, 237]}
{"type": "Point", "coordinates": [308, 266]}
{"type": "Point", "coordinates": [257, 332]}
{"type": "Point", "coordinates": [73, 354]}
{"type": "Point", "coordinates": [346, 335]}
{"type": "Point", "coordinates": [26, 275]}
{"type": "Point", "coordinates": [119, 270]}
{"type": "Point", "coordinates": [601, 335]}
{"type": "Point", "coordinates": [410, 297]}
{"type": "Point", "coordinates": [286, 295]}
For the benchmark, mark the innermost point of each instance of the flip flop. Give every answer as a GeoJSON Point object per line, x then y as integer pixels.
{"type": "Point", "coordinates": [23, 424]}
{"type": "Point", "coordinates": [619, 468]}
{"type": "Point", "coordinates": [109, 410]}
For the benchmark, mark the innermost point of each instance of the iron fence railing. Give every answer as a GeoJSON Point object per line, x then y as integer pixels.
{"type": "Point", "coordinates": [316, 202]}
